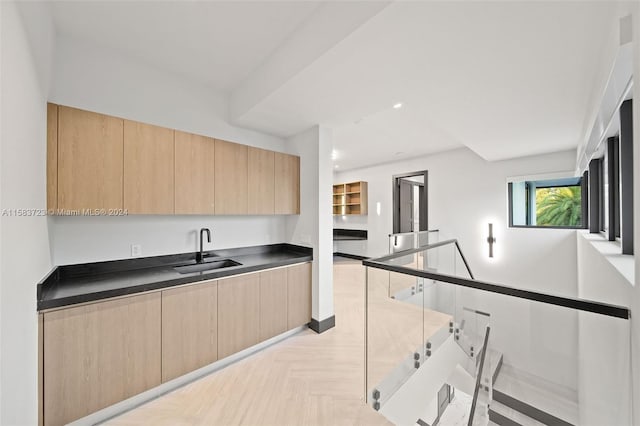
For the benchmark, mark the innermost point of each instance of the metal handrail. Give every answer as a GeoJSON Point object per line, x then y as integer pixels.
{"type": "Point", "coordinates": [427, 247]}
{"type": "Point", "coordinates": [413, 232]}
{"type": "Point", "coordinates": [479, 378]}
{"type": "Point", "coordinates": [578, 304]}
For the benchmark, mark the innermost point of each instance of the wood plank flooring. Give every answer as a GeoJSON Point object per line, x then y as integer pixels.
{"type": "Point", "coordinates": [308, 379]}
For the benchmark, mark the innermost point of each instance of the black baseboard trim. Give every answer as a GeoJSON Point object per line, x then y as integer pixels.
{"type": "Point", "coordinates": [350, 256]}
{"type": "Point", "coordinates": [324, 325]}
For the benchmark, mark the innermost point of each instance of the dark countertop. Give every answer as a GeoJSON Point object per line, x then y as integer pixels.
{"type": "Point", "coordinates": [349, 234]}
{"type": "Point", "coordinates": [72, 284]}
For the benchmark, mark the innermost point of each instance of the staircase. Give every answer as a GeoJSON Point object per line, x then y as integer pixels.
{"type": "Point", "coordinates": [523, 399]}
{"type": "Point", "coordinates": [412, 293]}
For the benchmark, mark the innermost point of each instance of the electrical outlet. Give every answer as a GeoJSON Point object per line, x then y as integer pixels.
{"type": "Point", "coordinates": [136, 250]}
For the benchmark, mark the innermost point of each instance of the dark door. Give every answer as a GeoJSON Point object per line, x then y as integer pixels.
{"type": "Point", "coordinates": [406, 206]}
{"type": "Point", "coordinates": [403, 202]}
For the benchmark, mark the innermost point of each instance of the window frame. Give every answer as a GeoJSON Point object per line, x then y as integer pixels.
{"type": "Point", "coordinates": [617, 161]}
{"type": "Point", "coordinates": [584, 223]}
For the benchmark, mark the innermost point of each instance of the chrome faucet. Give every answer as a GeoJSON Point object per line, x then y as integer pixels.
{"type": "Point", "coordinates": [199, 256]}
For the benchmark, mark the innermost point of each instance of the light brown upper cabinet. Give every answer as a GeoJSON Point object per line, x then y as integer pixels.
{"type": "Point", "coordinates": [89, 169]}
{"type": "Point", "coordinates": [194, 165]}
{"type": "Point", "coordinates": [52, 156]}
{"type": "Point", "coordinates": [148, 169]}
{"type": "Point", "coordinates": [95, 161]}
{"type": "Point", "coordinates": [230, 178]}
{"type": "Point", "coordinates": [287, 184]}
{"type": "Point", "coordinates": [261, 181]}
{"type": "Point", "coordinates": [350, 198]}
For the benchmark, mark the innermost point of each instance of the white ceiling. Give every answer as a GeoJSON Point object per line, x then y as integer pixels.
{"type": "Point", "coordinates": [506, 79]}
{"type": "Point", "coordinates": [217, 43]}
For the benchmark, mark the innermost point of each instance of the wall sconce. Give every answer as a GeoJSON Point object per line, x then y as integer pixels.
{"type": "Point", "coordinates": [491, 240]}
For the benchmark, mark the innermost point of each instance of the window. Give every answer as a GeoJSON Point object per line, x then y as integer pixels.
{"type": "Point", "coordinates": [611, 184]}
{"type": "Point", "coordinates": [551, 203]}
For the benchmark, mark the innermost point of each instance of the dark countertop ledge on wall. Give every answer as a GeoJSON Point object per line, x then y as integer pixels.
{"type": "Point", "coordinates": [73, 284]}
{"type": "Point", "coordinates": [349, 234]}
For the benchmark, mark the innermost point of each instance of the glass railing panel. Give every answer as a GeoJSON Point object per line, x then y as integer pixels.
{"type": "Point", "coordinates": [403, 286]}
{"type": "Point", "coordinates": [442, 258]}
{"type": "Point", "coordinates": [394, 336]}
{"type": "Point", "coordinates": [537, 351]}
{"type": "Point", "coordinates": [482, 397]}
{"type": "Point", "coordinates": [539, 343]}
{"type": "Point", "coordinates": [410, 240]}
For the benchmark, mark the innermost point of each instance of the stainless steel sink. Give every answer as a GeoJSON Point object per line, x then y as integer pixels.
{"type": "Point", "coordinates": [207, 266]}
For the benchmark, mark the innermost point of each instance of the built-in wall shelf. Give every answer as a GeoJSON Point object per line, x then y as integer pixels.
{"type": "Point", "coordinates": [350, 198]}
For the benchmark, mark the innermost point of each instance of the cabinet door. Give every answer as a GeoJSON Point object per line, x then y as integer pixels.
{"type": "Point", "coordinates": [98, 354]}
{"type": "Point", "coordinates": [287, 184]}
{"type": "Point", "coordinates": [195, 159]}
{"type": "Point", "coordinates": [238, 313]}
{"type": "Point", "coordinates": [52, 156]}
{"type": "Point", "coordinates": [273, 303]}
{"type": "Point", "coordinates": [148, 169]}
{"type": "Point", "coordinates": [261, 181]}
{"type": "Point", "coordinates": [189, 328]}
{"type": "Point", "coordinates": [89, 160]}
{"type": "Point", "coordinates": [299, 295]}
{"type": "Point", "coordinates": [230, 178]}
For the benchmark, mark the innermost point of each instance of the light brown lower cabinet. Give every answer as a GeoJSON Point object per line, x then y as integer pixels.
{"type": "Point", "coordinates": [273, 303]}
{"type": "Point", "coordinates": [298, 295]}
{"type": "Point", "coordinates": [189, 328]}
{"type": "Point", "coordinates": [238, 313]}
{"type": "Point", "coordinates": [98, 354]}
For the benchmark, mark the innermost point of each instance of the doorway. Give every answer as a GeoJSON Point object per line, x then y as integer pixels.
{"type": "Point", "coordinates": [410, 202]}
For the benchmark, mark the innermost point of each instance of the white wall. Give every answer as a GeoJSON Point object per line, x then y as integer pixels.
{"type": "Point", "coordinates": [313, 225]}
{"type": "Point", "coordinates": [98, 79]}
{"type": "Point", "coordinates": [465, 194]}
{"type": "Point", "coordinates": [94, 239]}
{"type": "Point", "coordinates": [24, 244]}
{"type": "Point", "coordinates": [604, 343]}
{"type": "Point", "coordinates": [635, 294]}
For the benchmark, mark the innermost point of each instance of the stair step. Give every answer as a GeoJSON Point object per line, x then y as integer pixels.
{"type": "Point", "coordinates": [528, 410]}
{"type": "Point", "coordinates": [538, 398]}
{"type": "Point", "coordinates": [507, 416]}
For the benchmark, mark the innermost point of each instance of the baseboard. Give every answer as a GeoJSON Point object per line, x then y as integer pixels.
{"type": "Point", "coordinates": [350, 256]}
{"type": "Point", "coordinates": [324, 325]}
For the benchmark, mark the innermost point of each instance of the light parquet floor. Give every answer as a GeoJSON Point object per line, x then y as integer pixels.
{"type": "Point", "coordinates": [307, 379]}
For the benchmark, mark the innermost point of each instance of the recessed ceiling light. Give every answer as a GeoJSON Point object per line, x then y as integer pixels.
{"type": "Point", "coordinates": [397, 105]}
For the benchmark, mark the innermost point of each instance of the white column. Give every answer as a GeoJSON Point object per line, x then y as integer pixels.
{"type": "Point", "coordinates": [313, 227]}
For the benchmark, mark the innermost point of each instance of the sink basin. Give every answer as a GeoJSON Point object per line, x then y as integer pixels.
{"type": "Point", "coordinates": [210, 265]}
